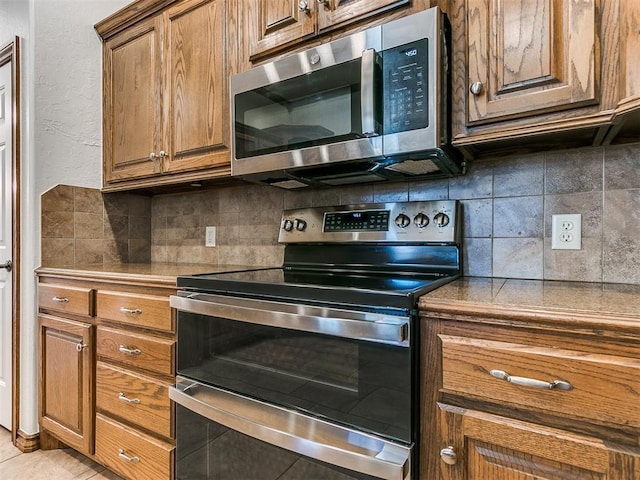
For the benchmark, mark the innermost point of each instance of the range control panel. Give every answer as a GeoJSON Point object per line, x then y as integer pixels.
{"type": "Point", "coordinates": [399, 222]}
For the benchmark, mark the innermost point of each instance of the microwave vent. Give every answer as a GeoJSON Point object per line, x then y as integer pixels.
{"type": "Point", "coordinates": [414, 167]}
{"type": "Point", "coordinates": [286, 183]}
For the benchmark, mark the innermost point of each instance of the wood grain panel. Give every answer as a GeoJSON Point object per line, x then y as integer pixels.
{"type": "Point", "coordinates": [339, 12]}
{"type": "Point", "coordinates": [150, 458]}
{"type": "Point", "coordinates": [530, 57]}
{"type": "Point", "coordinates": [602, 384]}
{"type": "Point", "coordinates": [197, 110]}
{"type": "Point", "coordinates": [155, 354]}
{"type": "Point", "coordinates": [145, 311]}
{"type": "Point", "coordinates": [78, 300]}
{"type": "Point", "coordinates": [134, 397]}
{"type": "Point", "coordinates": [66, 380]}
{"type": "Point", "coordinates": [132, 110]}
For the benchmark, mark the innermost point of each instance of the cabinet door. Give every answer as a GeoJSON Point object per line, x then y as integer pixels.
{"type": "Point", "coordinates": [66, 381]}
{"type": "Point", "coordinates": [197, 102]}
{"type": "Point", "coordinates": [478, 446]}
{"type": "Point", "coordinates": [132, 102]}
{"type": "Point", "coordinates": [274, 24]}
{"type": "Point", "coordinates": [336, 12]}
{"type": "Point", "coordinates": [533, 56]}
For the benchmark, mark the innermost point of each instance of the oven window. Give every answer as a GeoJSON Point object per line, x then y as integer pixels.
{"type": "Point", "coordinates": [208, 450]}
{"type": "Point", "coordinates": [360, 384]}
{"type": "Point", "coordinates": [313, 109]}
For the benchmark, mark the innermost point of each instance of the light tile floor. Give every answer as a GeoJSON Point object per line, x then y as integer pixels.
{"type": "Point", "coordinates": [47, 464]}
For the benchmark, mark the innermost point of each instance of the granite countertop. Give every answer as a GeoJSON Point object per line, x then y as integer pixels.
{"type": "Point", "coordinates": [160, 273]}
{"type": "Point", "coordinates": [592, 302]}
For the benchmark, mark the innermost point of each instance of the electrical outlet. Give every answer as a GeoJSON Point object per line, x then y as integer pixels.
{"type": "Point", "coordinates": [210, 237]}
{"type": "Point", "coordinates": [566, 232]}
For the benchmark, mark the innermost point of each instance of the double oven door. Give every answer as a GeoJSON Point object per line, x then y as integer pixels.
{"type": "Point", "coordinates": [269, 390]}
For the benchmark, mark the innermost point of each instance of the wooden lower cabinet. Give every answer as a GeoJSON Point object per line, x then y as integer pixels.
{"type": "Point", "coordinates": [66, 381]}
{"type": "Point", "coordinates": [528, 400]}
{"type": "Point", "coordinates": [107, 360]}
{"type": "Point", "coordinates": [481, 446]}
{"type": "Point", "coordinates": [130, 453]}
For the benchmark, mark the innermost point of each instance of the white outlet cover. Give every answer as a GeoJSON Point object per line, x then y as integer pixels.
{"type": "Point", "coordinates": [566, 232]}
{"type": "Point", "coordinates": [210, 237]}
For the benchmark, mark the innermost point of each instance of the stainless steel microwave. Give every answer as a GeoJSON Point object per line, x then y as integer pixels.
{"type": "Point", "coordinates": [371, 106]}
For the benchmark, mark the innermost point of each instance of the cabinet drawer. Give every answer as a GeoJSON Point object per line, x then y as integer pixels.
{"type": "Point", "coordinates": [147, 311]}
{"type": "Point", "coordinates": [130, 453]}
{"type": "Point", "coordinates": [136, 350]}
{"type": "Point", "coordinates": [66, 299]}
{"type": "Point", "coordinates": [140, 400]}
{"type": "Point", "coordinates": [601, 386]}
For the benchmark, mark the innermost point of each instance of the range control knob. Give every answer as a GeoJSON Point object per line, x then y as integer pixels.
{"type": "Point", "coordinates": [421, 220]}
{"type": "Point", "coordinates": [300, 224]}
{"type": "Point", "coordinates": [402, 221]}
{"type": "Point", "coordinates": [287, 225]}
{"type": "Point", "coordinates": [441, 219]}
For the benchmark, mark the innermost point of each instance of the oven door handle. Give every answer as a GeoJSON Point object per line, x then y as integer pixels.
{"type": "Point", "coordinates": [389, 329]}
{"type": "Point", "coordinates": [334, 444]}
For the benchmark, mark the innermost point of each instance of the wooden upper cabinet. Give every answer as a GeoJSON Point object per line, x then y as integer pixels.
{"type": "Point", "coordinates": [530, 57]}
{"type": "Point", "coordinates": [197, 109]}
{"type": "Point", "coordinates": [335, 12]}
{"type": "Point", "coordinates": [277, 24]}
{"type": "Point", "coordinates": [132, 102]}
{"type": "Point", "coordinates": [166, 107]}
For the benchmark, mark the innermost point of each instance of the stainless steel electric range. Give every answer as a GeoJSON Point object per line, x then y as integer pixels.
{"type": "Point", "coordinates": [310, 370]}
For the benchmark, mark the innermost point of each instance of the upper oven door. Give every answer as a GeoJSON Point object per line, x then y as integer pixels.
{"type": "Point", "coordinates": [317, 106]}
{"type": "Point", "coordinates": [354, 368]}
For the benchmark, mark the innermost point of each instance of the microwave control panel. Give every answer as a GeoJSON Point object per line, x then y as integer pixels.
{"type": "Point", "coordinates": [405, 85]}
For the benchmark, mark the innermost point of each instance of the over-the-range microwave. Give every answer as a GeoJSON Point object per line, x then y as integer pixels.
{"type": "Point", "coordinates": [368, 107]}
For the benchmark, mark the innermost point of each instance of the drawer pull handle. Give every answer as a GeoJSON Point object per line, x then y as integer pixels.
{"type": "Point", "coordinates": [448, 455]}
{"type": "Point", "coordinates": [129, 351]}
{"type": "Point", "coordinates": [80, 346]}
{"type": "Point", "coordinates": [60, 299]}
{"type": "Point", "coordinates": [531, 382]}
{"type": "Point", "coordinates": [134, 311]}
{"type": "Point", "coordinates": [123, 398]}
{"type": "Point", "coordinates": [127, 458]}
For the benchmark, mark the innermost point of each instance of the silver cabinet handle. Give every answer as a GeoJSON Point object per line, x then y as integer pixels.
{"type": "Point", "coordinates": [476, 88]}
{"type": "Point", "coordinates": [127, 458]}
{"type": "Point", "coordinates": [531, 382]}
{"type": "Point", "coordinates": [303, 6]}
{"type": "Point", "coordinates": [80, 346]}
{"type": "Point", "coordinates": [153, 155]}
{"type": "Point", "coordinates": [8, 265]}
{"type": "Point", "coordinates": [162, 154]}
{"type": "Point", "coordinates": [448, 455]}
{"type": "Point", "coordinates": [123, 398]}
{"type": "Point", "coordinates": [60, 299]}
{"type": "Point", "coordinates": [134, 311]}
{"type": "Point", "coordinates": [129, 351]}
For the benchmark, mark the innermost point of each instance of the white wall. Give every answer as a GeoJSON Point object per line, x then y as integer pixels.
{"type": "Point", "coordinates": [61, 132]}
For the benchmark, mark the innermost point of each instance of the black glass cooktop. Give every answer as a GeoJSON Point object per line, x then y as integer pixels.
{"type": "Point", "coordinates": [334, 287]}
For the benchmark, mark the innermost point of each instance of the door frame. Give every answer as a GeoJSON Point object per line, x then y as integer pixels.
{"type": "Point", "coordinates": [11, 53]}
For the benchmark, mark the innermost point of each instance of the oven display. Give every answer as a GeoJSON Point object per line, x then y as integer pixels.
{"type": "Point", "coordinates": [371, 221]}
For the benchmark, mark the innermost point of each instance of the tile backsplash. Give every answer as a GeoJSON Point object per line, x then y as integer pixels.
{"type": "Point", "coordinates": [81, 226]}
{"type": "Point", "coordinates": [507, 205]}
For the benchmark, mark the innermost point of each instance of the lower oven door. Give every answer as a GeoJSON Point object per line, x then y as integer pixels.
{"type": "Point", "coordinates": [226, 436]}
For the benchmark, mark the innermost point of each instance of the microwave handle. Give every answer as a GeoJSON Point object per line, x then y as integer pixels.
{"type": "Point", "coordinates": [367, 93]}
{"type": "Point", "coordinates": [315, 438]}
